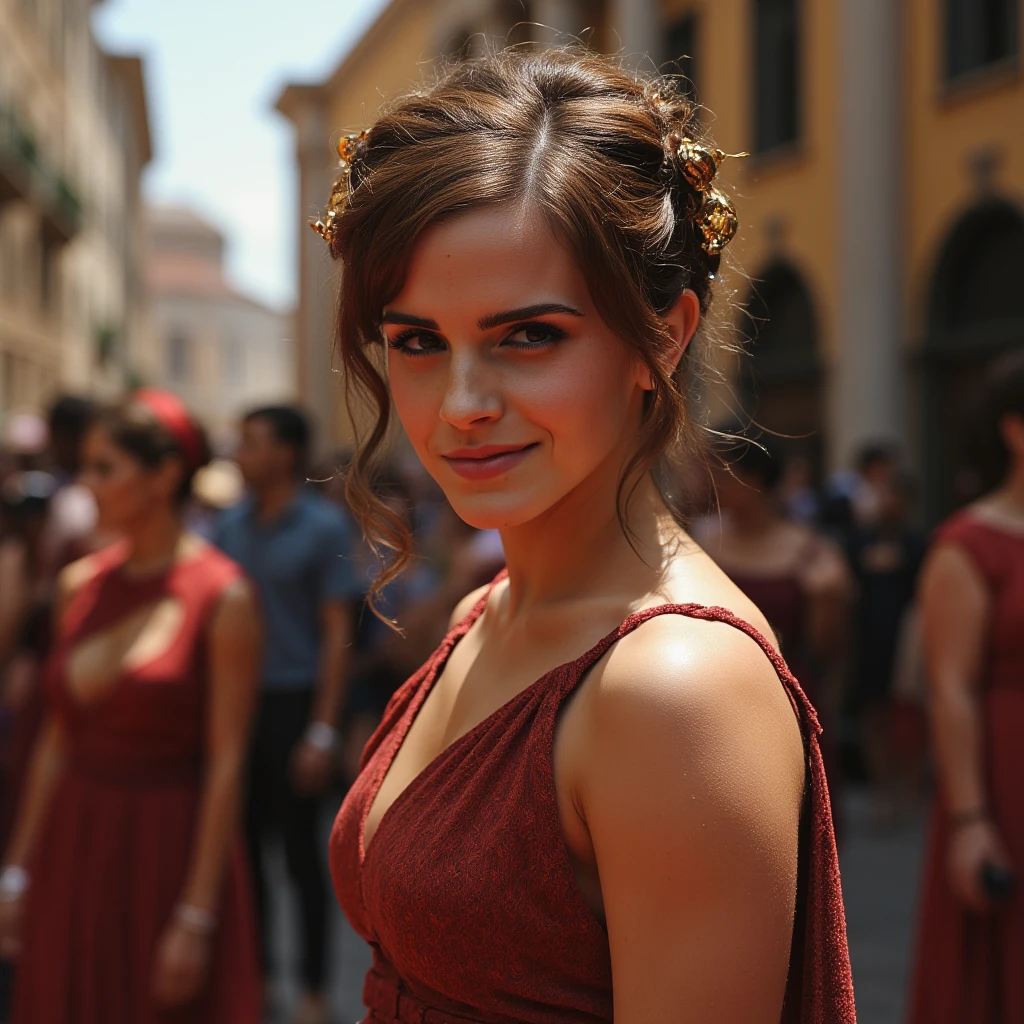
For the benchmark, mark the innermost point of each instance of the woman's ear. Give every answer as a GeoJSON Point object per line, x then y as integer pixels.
{"type": "Point", "coordinates": [681, 321]}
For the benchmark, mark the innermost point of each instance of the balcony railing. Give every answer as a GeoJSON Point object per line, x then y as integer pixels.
{"type": "Point", "coordinates": [25, 174]}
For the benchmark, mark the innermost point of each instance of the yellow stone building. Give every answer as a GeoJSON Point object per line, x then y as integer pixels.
{"type": "Point", "coordinates": [881, 250]}
{"type": "Point", "coordinates": [74, 138]}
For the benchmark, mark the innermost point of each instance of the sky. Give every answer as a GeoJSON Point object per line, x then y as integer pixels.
{"type": "Point", "coordinates": [213, 71]}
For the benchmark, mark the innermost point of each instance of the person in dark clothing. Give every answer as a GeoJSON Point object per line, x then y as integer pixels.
{"type": "Point", "coordinates": [886, 559]}
{"type": "Point", "coordinates": [295, 546]}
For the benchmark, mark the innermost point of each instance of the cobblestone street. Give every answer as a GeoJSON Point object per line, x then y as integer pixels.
{"type": "Point", "coordinates": [880, 873]}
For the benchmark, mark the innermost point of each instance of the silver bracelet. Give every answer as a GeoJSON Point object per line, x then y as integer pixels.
{"type": "Point", "coordinates": [195, 919]}
{"type": "Point", "coordinates": [14, 881]}
{"type": "Point", "coordinates": [321, 736]}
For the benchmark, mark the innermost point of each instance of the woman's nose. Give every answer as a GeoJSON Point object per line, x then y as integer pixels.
{"type": "Point", "coordinates": [471, 394]}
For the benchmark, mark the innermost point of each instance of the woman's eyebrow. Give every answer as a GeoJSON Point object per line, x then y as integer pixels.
{"type": "Point", "coordinates": [485, 323]}
{"type": "Point", "coordinates": [394, 317]}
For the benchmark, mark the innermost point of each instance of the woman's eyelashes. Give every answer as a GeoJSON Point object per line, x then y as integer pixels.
{"type": "Point", "coordinates": [534, 335]}
{"type": "Point", "coordinates": [416, 342]}
{"type": "Point", "coordinates": [527, 336]}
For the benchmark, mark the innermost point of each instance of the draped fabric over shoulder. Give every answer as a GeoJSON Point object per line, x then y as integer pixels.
{"type": "Point", "coordinates": [111, 860]}
{"type": "Point", "coordinates": [466, 893]}
{"type": "Point", "coordinates": [970, 968]}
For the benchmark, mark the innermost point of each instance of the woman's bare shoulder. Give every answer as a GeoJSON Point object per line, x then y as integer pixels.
{"type": "Point", "coordinates": [695, 577]}
{"type": "Point", "coordinates": [75, 575]}
{"type": "Point", "coordinates": [698, 671]}
{"type": "Point", "coordinates": [468, 603]}
{"type": "Point", "coordinates": [686, 722]}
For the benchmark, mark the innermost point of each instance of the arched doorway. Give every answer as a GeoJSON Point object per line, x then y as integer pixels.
{"type": "Point", "coordinates": [975, 314]}
{"type": "Point", "coordinates": [780, 385]}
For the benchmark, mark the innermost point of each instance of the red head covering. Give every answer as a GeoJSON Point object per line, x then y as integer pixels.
{"type": "Point", "coordinates": [174, 417]}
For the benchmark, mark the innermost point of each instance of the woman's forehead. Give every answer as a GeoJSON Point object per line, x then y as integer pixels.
{"type": "Point", "coordinates": [488, 259]}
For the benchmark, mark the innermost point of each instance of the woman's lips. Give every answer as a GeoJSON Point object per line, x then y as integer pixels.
{"type": "Point", "coordinates": [487, 461]}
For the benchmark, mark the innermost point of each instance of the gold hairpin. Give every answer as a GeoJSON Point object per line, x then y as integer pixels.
{"type": "Point", "coordinates": [348, 152]}
{"type": "Point", "coordinates": [716, 221]}
{"type": "Point", "coordinates": [714, 217]}
{"type": "Point", "coordinates": [700, 164]}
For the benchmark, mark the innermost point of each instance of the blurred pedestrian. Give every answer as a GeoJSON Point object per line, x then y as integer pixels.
{"type": "Point", "coordinates": [969, 964]}
{"type": "Point", "coordinates": [296, 547]}
{"type": "Point", "coordinates": [876, 465]}
{"type": "Point", "coordinates": [124, 894]}
{"type": "Point", "coordinates": [796, 492]}
{"type": "Point", "coordinates": [588, 800]}
{"type": "Point", "coordinates": [795, 575]}
{"type": "Point", "coordinates": [24, 503]}
{"type": "Point", "coordinates": [886, 558]}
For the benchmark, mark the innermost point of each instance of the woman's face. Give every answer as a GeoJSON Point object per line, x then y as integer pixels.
{"type": "Point", "coordinates": [125, 490]}
{"type": "Point", "coordinates": [511, 388]}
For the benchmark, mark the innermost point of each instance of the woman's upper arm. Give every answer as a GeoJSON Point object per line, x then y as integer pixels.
{"type": "Point", "coordinates": [954, 609]}
{"type": "Point", "coordinates": [692, 797]}
{"type": "Point", "coordinates": [235, 644]}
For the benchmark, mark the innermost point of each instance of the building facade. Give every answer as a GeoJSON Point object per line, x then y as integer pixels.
{"type": "Point", "coordinates": [876, 272]}
{"type": "Point", "coordinates": [221, 351]}
{"type": "Point", "coordinates": [74, 138]}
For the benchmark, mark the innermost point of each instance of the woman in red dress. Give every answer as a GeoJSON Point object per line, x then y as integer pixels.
{"type": "Point", "coordinates": [970, 952]}
{"type": "Point", "coordinates": [603, 795]}
{"type": "Point", "coordinates": [124, 895]}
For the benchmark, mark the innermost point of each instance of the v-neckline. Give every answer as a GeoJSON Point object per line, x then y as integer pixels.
{"type": "Point", "coordinates": [437, 666]}
{"type": "Point", "coordinates": [405, 724]}
{"type": "Point", "coordinates": [72, 642]}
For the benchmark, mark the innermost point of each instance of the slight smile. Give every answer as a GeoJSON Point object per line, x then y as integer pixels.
{"type": "Point", "coordinates": [487, 461]}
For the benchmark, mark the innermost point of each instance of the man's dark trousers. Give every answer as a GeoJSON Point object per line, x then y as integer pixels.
{"type": "Point", "coordinates": [276, 808]}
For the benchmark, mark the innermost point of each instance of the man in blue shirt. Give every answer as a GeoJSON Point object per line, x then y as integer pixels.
{"type": "Point", "coordinates": [297, 549]}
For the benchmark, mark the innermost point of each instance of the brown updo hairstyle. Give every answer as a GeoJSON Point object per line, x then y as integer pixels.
{"type": "Point", "coordinates": [595, 148]}
{"type": "Point", "coordinates": [136, 430]}
{"type": "Point", "coordinates": [1002, 395]}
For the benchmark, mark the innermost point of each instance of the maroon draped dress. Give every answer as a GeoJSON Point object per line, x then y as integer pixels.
{"type": "Point", "coordinates": [111, 860]}
{"type": "Point", "coordinates": [467, 895]}
{"type": "Point", "coordinates": [970, 968]}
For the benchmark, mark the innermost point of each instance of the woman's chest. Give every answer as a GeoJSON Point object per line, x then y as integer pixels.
{"type": "Point", "coordinates": [143, 671]}
{"type": "Point", "coordinates": [477, 837]}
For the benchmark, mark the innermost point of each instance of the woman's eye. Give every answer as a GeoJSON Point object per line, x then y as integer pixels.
{"type": "Point", "coordinates": [416, 343]}
{"type": "Point", "coordinates": [534, 335]}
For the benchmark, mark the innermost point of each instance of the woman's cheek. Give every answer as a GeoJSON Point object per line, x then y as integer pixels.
{"type": "Point", "coordinates": [416, 402]}
{"type": "Point", "coordinates": [578, 403]}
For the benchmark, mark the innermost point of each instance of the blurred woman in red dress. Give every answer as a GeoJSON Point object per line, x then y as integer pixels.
{"type": "Point", "coordinates": [970, 955]}
{"type": "Point", "coordinates": [124, 895]}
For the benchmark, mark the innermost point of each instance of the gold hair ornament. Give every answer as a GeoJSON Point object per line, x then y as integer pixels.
{"type": "Point", "coordinates": [348, 151]}
{"type": "Point", "coordinates": [714, 215]}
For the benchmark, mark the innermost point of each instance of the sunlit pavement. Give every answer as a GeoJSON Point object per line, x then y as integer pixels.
{"type": "Point", "coordinates": [880, 880]}
{"type": "Point", "coordinates": [880, 872]}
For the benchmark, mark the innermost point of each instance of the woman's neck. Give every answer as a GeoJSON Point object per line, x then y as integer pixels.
{"type": "Point", "coordinates": [1010, 497]}
{"type": "Point", "coordinates": [579, 546]}
{"type": "Point", "coordinates": [153, 543]}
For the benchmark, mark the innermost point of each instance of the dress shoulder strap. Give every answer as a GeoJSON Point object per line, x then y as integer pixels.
{"type": "Point", "coordinates": [708, 613]}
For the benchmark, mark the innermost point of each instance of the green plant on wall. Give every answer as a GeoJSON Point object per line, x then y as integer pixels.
{"type": "Point", "coordinates": [106, 343]}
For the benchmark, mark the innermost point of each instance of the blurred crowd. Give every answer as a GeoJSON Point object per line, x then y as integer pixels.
{"type": "Point", "coordinates": [834, 565]}
{"type": "Point", "coordinates": [834, 568]}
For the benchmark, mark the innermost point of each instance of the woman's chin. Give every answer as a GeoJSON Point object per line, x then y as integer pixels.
{"type": "Point", "coordinates": [496, 511]}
